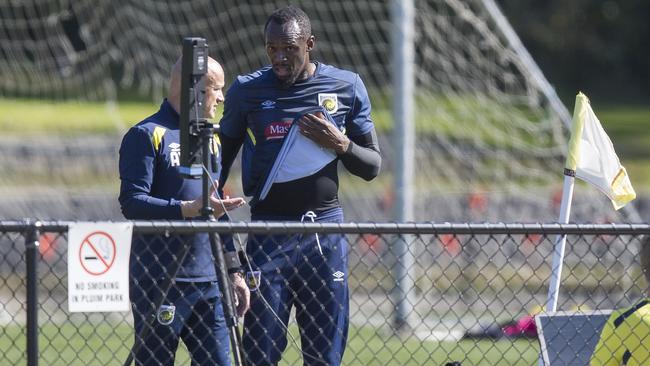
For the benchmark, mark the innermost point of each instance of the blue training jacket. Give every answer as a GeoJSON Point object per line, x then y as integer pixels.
{"type": "Point", "coordinates": [261, 112]}
{"type": "Point", "coordinates": [152, 189]}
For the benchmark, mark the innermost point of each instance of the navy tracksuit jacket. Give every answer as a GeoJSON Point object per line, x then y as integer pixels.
{"type": "Point", "coordinates": [304, 271]}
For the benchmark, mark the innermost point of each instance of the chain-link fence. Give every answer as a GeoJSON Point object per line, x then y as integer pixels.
{"type": "Point", "coordinates": [418, 293]}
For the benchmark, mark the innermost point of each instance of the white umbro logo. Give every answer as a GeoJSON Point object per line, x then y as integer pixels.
{"type": "Point", "coordinates": [175, 154]}
{"type": "Point", "coordinates": [268, 104]}
{"type": "Point", "coordinates": [338, 276]}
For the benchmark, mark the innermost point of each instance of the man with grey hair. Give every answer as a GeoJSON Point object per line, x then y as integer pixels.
{"type": "Point", "coordinates": [152, 189]}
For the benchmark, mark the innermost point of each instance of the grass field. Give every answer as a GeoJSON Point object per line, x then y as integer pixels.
{"type": "Point", "coordinates": [107, 344]}
{"type": "Point", "coordinates": [627, 126]}
{"type": "Point", "coordinates": [629, 130]}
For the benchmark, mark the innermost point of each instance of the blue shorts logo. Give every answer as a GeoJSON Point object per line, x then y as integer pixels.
{"type": "Point", "coordinates": [166, 314]}
{"type": "Point", "coordinates": [338, 276]}
{"type": "Point", "coordinates": [253, 280]}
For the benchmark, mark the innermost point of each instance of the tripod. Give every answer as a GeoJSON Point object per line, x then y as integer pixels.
{"type": "Point", "coordinates": [205, 132]}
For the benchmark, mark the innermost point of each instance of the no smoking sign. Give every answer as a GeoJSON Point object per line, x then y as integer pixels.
{"type": "Point", "coordinates": [98, 266]}
{"type": "Point", "coordinates": [97, 253]}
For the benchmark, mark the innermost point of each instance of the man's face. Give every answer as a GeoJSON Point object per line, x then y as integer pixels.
{"type": "Point", "coordinates": [288, 51]}
{"type": "Point", "coordinates": [214, 84]}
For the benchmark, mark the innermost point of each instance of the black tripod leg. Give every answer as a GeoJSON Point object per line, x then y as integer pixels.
{"type": "Point", "coordinates": [207, 134]}
{"type": "Point", "coordinates": [227, 298]}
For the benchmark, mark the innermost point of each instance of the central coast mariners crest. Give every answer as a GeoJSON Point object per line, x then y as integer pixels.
{"type": "Point", "coordinates": [253, 280]}
{"type": "Point", "coordinates": [166, 314]}
{"type": "Point", "coordinates": [328, 101]}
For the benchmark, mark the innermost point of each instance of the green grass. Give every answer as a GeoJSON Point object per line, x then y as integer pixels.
{"type": "Point", "coordinates": [368, 347]}
{"type": "Point", "coordinates": [69, 118]}
{"type": "Point", "coordinates": [629, 129]}
{"type": "Point", "coordinates": [21, 116]}
{"type": "Point", "coordinates": [105, 343]}
{"type": "Point", "coordinates": [627, 126]}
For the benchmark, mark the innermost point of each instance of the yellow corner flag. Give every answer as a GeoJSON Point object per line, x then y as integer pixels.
{"type": "Point", "coordinates": [592, 156]}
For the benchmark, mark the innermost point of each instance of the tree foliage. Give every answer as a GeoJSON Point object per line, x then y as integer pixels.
{"type": "Point", "coordinates": [598, 46]}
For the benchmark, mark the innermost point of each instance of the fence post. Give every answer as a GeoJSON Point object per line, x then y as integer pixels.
{"type": "Point", "coordinates": [31, 258]}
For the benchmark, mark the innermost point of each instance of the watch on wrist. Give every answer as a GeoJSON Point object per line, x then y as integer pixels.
{"type": "Point", "coordinates": [232, 262]}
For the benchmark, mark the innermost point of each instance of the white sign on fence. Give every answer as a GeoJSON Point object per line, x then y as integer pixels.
{"type": "Point", "coordinates": [98, 266]}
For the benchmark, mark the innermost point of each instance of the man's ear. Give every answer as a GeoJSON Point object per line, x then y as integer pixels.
{"type": "Point", "coordinates": [311, 42]}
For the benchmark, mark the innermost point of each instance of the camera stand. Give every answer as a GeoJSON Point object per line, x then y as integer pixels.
{"type": "Point", "coordinates": [206, 133]}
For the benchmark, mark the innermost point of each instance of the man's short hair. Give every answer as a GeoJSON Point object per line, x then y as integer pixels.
{"type": "Point", "coordinates": [644, 253]}
{"type": "Point", "coordinates": [290, 13]}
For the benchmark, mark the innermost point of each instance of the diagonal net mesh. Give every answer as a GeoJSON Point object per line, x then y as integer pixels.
{"type": "Point", "coordinates": [490, 137]}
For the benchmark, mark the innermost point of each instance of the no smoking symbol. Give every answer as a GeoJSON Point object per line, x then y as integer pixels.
{"type": "Point", "coordinates": [97, 253]}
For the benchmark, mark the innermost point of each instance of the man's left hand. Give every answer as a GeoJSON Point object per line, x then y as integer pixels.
{"type": "Point", "coordinates": [242, 294]}
{"type": "Point", "coordinates": [193, 208]}
{"type": "Point", "coordinates": [322, 132]}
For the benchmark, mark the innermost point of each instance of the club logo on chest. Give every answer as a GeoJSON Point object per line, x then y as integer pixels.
{"type": "Point", "coordinates": [329, 101]}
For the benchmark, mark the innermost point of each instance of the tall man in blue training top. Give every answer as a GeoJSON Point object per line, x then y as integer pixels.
{"type": "Point", "coordinates": [305, 271]}
{"type": "Point", "coordinates": [151, 188]}
{"type": "Point", "coordinates": [625, 338]}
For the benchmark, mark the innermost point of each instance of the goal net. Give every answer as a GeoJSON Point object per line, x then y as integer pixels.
{"type": "Point", "coordinates": [491, 136]}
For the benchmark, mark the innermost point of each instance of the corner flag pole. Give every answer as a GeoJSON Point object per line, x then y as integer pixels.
{"type": "Point", "coordinates": [567, 197]}
{"type": "Point", "coordinates": [560, 245]}
{"type": "Point", "coordinates": [560, 241]}
{"type": "Point", "coordinates": [565, 211]}
{"type": "Point", "coordinates": [591, 157]}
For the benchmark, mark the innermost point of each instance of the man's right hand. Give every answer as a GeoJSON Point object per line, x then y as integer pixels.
{"type": "Point", "coordinates": [322, 132]}
{"type": "Point", "coordinates": [192, 208]}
